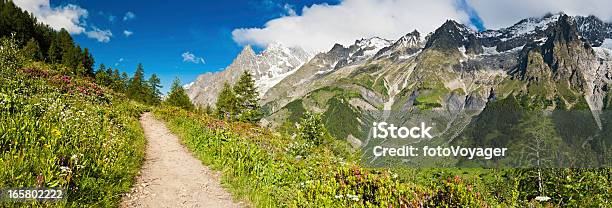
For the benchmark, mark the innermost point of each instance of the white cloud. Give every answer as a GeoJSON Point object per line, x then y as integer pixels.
{"type": "Point", "coordinates": [321, 25]}
{"type": "Point", "coordinates": [100, 35]}
{"type": "Point", "coordinates": [69, 16]}
{"type": "Point", "coordinates": [118, 61]}
{"type": "Point", "coordinates": [129, 16]}
{"type": "Point", "coordinates": [501, 13]}
{"type": "Point", "coordinates": [127, 33]}
{"type": "Point", "coordinates": [190, 57]}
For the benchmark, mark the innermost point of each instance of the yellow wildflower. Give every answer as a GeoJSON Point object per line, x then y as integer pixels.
{"type": "Point", "coordinates": [56, 132]}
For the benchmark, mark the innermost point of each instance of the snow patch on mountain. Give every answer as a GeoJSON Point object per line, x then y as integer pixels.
{"type": "Point", "coordinates": [524, 27]}
{"type": "Point", "coordinates": [530, 25]}
{"type": "Point", "coordinates": [265, 83]}
{"type": "Point", "coordinates": [267, 68]}
{"type": "Point", "coordinates": [188, 85]}
{"type": "Point", "coordinates": [373, 45]}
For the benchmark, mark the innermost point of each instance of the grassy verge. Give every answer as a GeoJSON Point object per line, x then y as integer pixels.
{"type": "Point", "coordinates": [62, 131]}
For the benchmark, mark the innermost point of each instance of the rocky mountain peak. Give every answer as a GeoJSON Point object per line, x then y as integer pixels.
{"type": "Point", "coordinates": [247, 51]}
{"type": "Point", "coordinates": [593, 29]}
{"type": "Point", "coordinates": [560, 57]}
{"type": "Point", "coordinates": [406, 45]}
{"type": "Point", "coordinates": [519, 34]}
{"type": "Point", "coordinates": [564, 30]}
{"type": "Point", "coordinates": [371, 42]}
{"type": "Point", "coordinates": [411, 39]}
{"type": "Point", "coordinates": [337, 48]}
{"type": "Point", "coordinates": [268, 68]}
{"type": "Point", "coordinates": [366, 48]}
{"type": "Point", "coordinates": [452, 36]}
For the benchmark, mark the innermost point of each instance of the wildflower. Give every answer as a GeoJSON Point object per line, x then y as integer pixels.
{"type": "Point", "coordinates": [56, 132]}
{"type": "Point", "coordinates": [65, 169]}
{"type": "Point", "coordinates": [40, 179]}
{"type": "Point", "coordinates": [74, 158]}
{"type": "Point", "coordinates": [352, 197]}
{"type": "Point", "coordinates": [457, 179]}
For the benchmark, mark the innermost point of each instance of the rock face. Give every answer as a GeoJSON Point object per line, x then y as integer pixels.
{"type": "Point", "coordinates": [406, 45]}
{"type": "Point", "coordinates": [267, 68]}
{"type": "Point", "coordinates": [452, 35]}
{"type": "Point", "coordinates": [560, 56]}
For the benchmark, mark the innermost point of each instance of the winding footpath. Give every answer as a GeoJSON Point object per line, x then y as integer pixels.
{"type": "Point", "coordinates": [172, 177]}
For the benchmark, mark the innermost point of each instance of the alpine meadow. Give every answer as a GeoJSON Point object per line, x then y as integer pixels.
{"type": "Point", "coordinates": [350, 103]}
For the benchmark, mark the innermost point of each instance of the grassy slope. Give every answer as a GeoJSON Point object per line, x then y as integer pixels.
{"type": "Point", "coordinates": [70, 134]}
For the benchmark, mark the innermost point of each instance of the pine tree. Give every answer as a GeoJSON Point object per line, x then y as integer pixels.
{"type": "Point", "coordinates": [227, 103]}
{"type": "Point", "coordinates": [88, 62]}
{"type": "Point", "coordinates": [154, 86]}
{"type": "Point", "coordinates": [54, 55]}
{"type": "Point", "coordinates": [70, 58]}
{"type": "Point", "coordinates": [178, 97]}
{"type": "Point", "coordinates": [102, 76]}
{"type": "Point", "coordinates": [32, 50]}
{"type": "Point", "coordinates": [136, 87]}
{"type": "Point", "coordinates": [248, 99]}
{"type": "Point", "coordinates": [122, 81]}
{"type": "Point", "coordinates": [312, 129]}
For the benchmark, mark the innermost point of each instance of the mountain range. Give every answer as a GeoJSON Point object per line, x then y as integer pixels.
{"type": "Point", "coordinates": [447, 77]}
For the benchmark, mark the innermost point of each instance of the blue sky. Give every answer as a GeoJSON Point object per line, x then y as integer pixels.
{"type": "Point", "coordinates": [187, 38]}
{"type": "Point", "coordinates": [162, 32]}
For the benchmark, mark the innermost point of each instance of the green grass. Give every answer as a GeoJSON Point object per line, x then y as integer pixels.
{"type": "Point", "coordinates": [259, 166]}
{"type": "Point", "coordinates": [69, 133]}
{"type": "Point", "coordinates": [431, 97]}
{"type": "Point", "coordinates": [369, 82]}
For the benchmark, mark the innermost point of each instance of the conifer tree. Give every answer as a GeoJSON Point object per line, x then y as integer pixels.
{"type": "Point", "coordinates": [247, 98]}
{"type": "Point", "coordinates": [136, 86]}
{"type": "Point", "coordinates": [70, 58]}
{"type": "Point", "coordinates": [312, 129]}
{"type": "Point", "coordinates": [154, 85]}
{"type": "Point", "coordinates": [88, 61]}
{"type": "Point", "coordinates": [110, 72]}
{"type": "Point", "coordinates": [122, 81]}
{"type": "Point", "coordinates": [178, 97]}
{"type": "Point", "coordinates": [227, 103]}
{"type": "Point", "coordinates": [54, 55]}
{"type": "Point", "coordinates": [102, 76]}
{"type": "Point", "coordinates": [32, 50]}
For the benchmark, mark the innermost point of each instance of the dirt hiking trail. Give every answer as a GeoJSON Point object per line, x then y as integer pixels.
{"type": "Point", "coordinates": [172, 177]}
